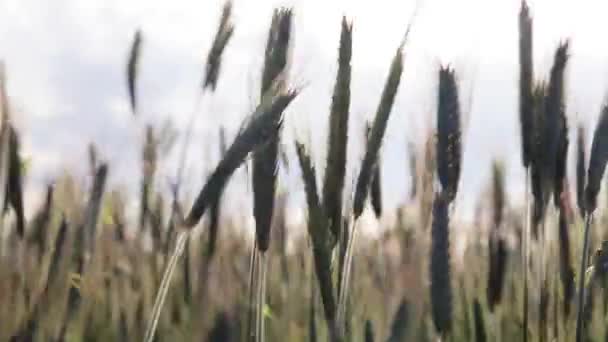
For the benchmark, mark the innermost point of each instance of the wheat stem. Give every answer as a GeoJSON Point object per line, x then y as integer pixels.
{"type": "Point", "coordinates": [344, 283]}
{"type": "Point", "coordinates": [525, 239]}
{"type": "Point", "coordinates": [182, 237]}
{"type": "Point", "coordinates": [581, 282]}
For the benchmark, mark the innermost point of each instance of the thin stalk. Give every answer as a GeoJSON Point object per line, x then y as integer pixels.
{"type": "Point", "coordinates": [182, 237]}
{"type": "Point", "coordinates": [261, 297]}
{"type": "Point", "coordinates": [346, 274]}
{"type": "Point", "coordinates": [525, 238]}
{"type": "Point", "coordinates": [542, 279]}
{"type": "Point", "coordinates": [581, 279]}
{"type": "Point", "coordinates": [250, 307]}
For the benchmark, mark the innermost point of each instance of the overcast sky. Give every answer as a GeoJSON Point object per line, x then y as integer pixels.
{"type": "Point", "coordinates": [65, 61]}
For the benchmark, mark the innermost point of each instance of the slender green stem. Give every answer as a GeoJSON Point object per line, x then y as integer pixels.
{"type": "Point", "coordinates": [581, 280]}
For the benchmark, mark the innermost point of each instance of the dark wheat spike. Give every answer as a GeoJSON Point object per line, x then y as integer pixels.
{"type": "Point", "coordinates": [277, 48]}
{"type": "Point", "coordinates": [561, 165]}
{"type": "Point", "coordinates": [597, 161]}
{"type": "Point", "coordinates": [312, 323]}
{"type": "Point", "coordinates": [498, 268]}
{"type": "Point", "coordinates": [335, 168]}
{"type": "Point", "coordinates": [369, 331]}
{"type": "Point", "coordinates": [40, 224]}
{"type": "Point", "coordinates": [441, 290]}
{"type": "Point", "coordinates": [566, 270]}
{"type": "Point", "coordinates": [222, 329]}
{"type": "Point", "coordinates": [265, 167]}
{"type": "Point", "coordinates": [319, 235]}
{"type": "Point", "coordinates": [57, 254]}
{"type": "Point", "coordinates": [14, 185]}
{"type": "Point", "coordinates": [214, 209]}
{"type": "Point", "coordinates": [132, 69]}
{"type": "Point", "coordinates": [187, 274]}
{"type": "Point", "coordinates": [498, 193]}
{"type": "Point", "coordinates": [94, 206]}
{"type": "Point", "coordinates": [377, 133]}
{"type": "Point", "coordinates": [376, 191]}
{"type": "Point", "coordinates": [448, 133]}
{"type": "Point", "coordinates": [581, 163]}
{"type": "Point", "coordinates": [222, 37]}
{"type": "Point", "coordinates": [375, 186]}
{"type": "Point", "coordinates": [400, 323]}
{"type": "Point", "coordinates": [496, 243]}
{"type": "Point", "coordinates": [480, 329]}
{"type": "Point", "coordinates": [539, 185]}
{"type": "Point", "coordinates": [526, 76]}
{"type": "Point", "coordinates": [262, 127]}
{"type": "Point", "coordinates": [555, 117]}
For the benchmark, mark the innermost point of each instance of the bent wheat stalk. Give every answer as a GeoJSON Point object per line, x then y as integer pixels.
{"type": "Point", "coordinates": [263, 125]}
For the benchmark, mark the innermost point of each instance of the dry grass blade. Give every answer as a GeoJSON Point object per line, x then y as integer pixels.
{"type": "Point", "coordinates": [265, 167]}
{"type": "Point", "coordinates": [427, 179]}
{"type": "Point", "coordinates": [441, 289]}
{"type": "Point", "coordinates": [377, 133]}
{"type": "Point", "coordinates": [581, 166]}
{"type": "Point", "coordinates": [30, 326]}
{"type": "Point", "coordinates": [132, 69]}
{"type": "Point", "coordinates": [222, 37]}
{"type": "Point", "coordinates": [149, 158]}
{"type": "Point", "coordinates": [14, 185]}
{"type": "Point", "coordinates": [4, 105]}
{"type": "Point", "coordinates": [335, 168]}
{"type": "Point", "coordinates": [263, 126]}
{"type": "Point", "coordinates": [84, 248]}
{"type": "Point", "coordinates": [413, 167]}
{"type": "Point", "coordinates": [526, 76]}
{"type": "Point", "coordinates": [448, 133]}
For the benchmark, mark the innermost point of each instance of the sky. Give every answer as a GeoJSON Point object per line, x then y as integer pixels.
{"type": "Point", "coordinates": [65, 63]}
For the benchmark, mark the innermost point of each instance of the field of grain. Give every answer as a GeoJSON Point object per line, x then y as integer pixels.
{"type": "Point", "coordinates": [81, 269]}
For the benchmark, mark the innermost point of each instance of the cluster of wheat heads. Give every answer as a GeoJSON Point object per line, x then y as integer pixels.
{"type": "Point", "coordinates": [77, 271]}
